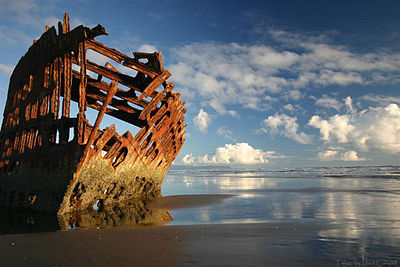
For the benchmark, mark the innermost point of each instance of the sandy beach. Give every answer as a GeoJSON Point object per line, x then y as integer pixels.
{"type": "Point", "coordinates": [241, 220]}
{"type": "Point", "coordinates": [247, 244]}
{"type": "Point", "coordinates": [266, 244]}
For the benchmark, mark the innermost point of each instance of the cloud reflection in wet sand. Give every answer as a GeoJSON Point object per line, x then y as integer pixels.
{"type": "Point", "coordinates": [364, 202]}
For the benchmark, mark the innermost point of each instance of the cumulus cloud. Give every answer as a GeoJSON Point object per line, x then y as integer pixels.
{"type": "Point", "coordinates": [378, 129]}
{"type": "Point", "coordinates": [337, 126]}
{"type": "Point", "coordinates": [188, 159]}
{"type": "Point", "coordinates": [351, 156]}
{"type": "Point", "coordinates": [202, 120]}
{"type": "Point", "coordinates": [334, 154]}
{"type": "Point", "coordinates": [239, 153]}
{"type": "Point", "coordinates": [224, 74]}
{"type": "Point", "coordinates": [372, 129]}
{"type": "Point", "coordinates": [286, 126]}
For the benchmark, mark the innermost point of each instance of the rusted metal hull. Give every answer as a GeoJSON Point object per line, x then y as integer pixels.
{"type": "Point", "coordinates": [53, 161]}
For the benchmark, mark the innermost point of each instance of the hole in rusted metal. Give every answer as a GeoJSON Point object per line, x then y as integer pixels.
{"type": "Point", "coordinates": [71, 134]}
{"type": "Point", "coordinates": [98, 206]}
{"type": "Point", "coordinates": [121, 157]}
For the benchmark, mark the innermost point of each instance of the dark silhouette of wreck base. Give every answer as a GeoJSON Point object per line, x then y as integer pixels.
{"type": "Point", "coordinates": [52, 161]}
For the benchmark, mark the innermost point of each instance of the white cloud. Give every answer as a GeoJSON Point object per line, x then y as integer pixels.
{"type": "Point", "coordinates": [188, 159]}
{"type": "Point", "coordinates": [349, 105]}
{"type": "Point", "coordinates": [378, 129]}
{"type": "Point", "coordinates": [338, 126]}
{"type": "Point", "coordinates": [289, 107]}
{"type": "Point", "coordinates": [243, 74]}
{"type": "Point", "coordinates": [327, 77]}
{"type": "Point", "coordinates": [225, 132]}
{"type": "Point", "coordinates": [286, 126]}
{"type": "Point", "coordinates": [268, 57]}
{"type": "Point", "coordinates": [97, 57]}
{"type": "Point", "coordinates": [382, 100]}
{"type": "Point", "coordinates": [202, 121]}
{"type": "Point", "coordinates": [6, 69]}
{"type": "Point", "coordinates": [327, 155]}
{"type": "Point", "coordinates": [351, 156]}
{"type": "Point", "coordinates": [373, 129]}
{"type": "Point", "coordinates": [293, 95]}
{"type": "Point", "coordinates": [239, 153]}
{"type": "Point", "coordinates": [292, 108]}
{"type": "Point", "coordinates": [334, 154]}
{"type": "Point", "coordinates": [147, 48]}
{"type": "Point", "coordinates": [328, 102]}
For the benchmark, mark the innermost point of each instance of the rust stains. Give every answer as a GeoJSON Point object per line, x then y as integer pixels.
{"type": "Point", "coordinates": [39, 119]}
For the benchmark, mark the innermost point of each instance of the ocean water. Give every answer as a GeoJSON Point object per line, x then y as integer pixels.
{"type": "Point", "coordinates": [362, 197]}
{"type": "Point", "coordinates": [360, 206]}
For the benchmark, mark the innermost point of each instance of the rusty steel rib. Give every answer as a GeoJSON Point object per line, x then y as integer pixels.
{"type": "Point", "coordinates": [57, 80]}
{"type": "Point", "coordinates": [110, 95]}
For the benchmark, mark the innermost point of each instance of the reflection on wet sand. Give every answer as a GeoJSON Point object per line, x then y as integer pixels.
{"type": "Point", "coordinates": [188, 201]}
{"type": "Point", "coordinates": [128, 214]}
{"type": "Point", "coordinates": [14, 221]}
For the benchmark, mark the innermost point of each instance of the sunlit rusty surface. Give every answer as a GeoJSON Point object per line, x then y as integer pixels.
{"type": "Point", "coordinates": [52, 159]}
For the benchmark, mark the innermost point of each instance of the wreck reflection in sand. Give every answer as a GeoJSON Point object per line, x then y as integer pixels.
{"type": "Point", "coordinates": [132, 213]}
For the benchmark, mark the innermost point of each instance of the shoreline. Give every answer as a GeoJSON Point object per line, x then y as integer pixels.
{"type": "Point", "coordinates": [248, 244]}
{"type": "Point", "coordinates": [215, 244]}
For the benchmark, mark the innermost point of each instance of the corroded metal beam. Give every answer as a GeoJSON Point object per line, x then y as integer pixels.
{"type": "Point", "coordinates": [52, 160]}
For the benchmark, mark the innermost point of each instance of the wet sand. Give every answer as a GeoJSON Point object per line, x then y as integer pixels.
{"type": "Point", "coordinates": [263, 244]}
{"type": "Point", "coordinates": [187, 201]}
{"type": "Point", "coordinates": [301, 243]}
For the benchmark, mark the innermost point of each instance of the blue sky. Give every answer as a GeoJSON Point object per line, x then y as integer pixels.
{"type": "Point", "coordinates": [272, 83]}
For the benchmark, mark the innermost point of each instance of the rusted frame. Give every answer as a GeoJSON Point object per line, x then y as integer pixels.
{"type": "Point", "coordinates": [34, 111]}
{"type": "Point", "coordinates": [127, 113]}
{"type": "Point", "coordinates": [110, 95]}
{"type": "Point", "coordinates": [82, 92]}
{"type": "Point", "coordinates": [100, 85]}
{"type": "Point", "coordinates": [158, 141]}
{"type": "Point", "coordinates": [160, 79]}
{"type": "Point", "coordinates": [121, 58]}
{"type": "Point", "coordinates": [116, 103]}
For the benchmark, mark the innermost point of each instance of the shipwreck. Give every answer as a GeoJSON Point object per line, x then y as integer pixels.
{"type": "Point", "coordinates": [57, 161]}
